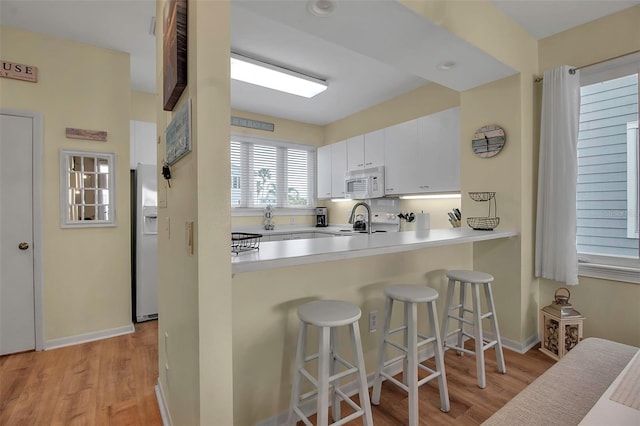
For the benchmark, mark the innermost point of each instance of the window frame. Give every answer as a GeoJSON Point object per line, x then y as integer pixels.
{"type": "Point", "coordinates": [615, 268]}
{"type": "Point", "coordinates": [245, 141]}
{"type": "Point", "coordinates": [65, 175]}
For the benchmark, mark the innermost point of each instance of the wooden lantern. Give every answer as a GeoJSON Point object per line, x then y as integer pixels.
{"type": "Point", "coordinates": [560, 326]}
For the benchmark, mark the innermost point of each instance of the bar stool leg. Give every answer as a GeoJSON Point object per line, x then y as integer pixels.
{"type": "Point", "coordinates": [335, 398]}
{"type": "Point", "coordinates": [447, 304]}
{"type": "Point", "coordinates": [377, 382]}
{"type": "Point", "coordinates": [411, 337]}
{"type": "Point", "coordinates": [406, 341]}
{"type": "Point", "coordinates": [324, 342]}
{"type": "Point", "coordinates": [297, 376]}
{"type": "Point", "coordinates": [439, 356]}
{"type": "Point", "coordinates": [494, 324]}
{"type": "Point", "coordinates": [477, 333]}
{"type": "Point", "coordinates": [463, 298]}
{"type": "Point", "coordinates": [362, 376]}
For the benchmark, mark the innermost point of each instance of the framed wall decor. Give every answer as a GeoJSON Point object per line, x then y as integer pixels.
{"type": "Point", "coordinates": [178, 134]}
{"type": "Point", "coordinates": [174, 48]}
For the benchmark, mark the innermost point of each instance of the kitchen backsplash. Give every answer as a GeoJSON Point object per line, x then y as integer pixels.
{"type": "Point", "coordinates": [339, 214]}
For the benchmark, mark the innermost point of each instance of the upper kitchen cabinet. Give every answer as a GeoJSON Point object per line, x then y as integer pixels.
{"type": "Point", "coordinates": [365, 151]}
{"type": "Point", "coordinates": [338, 168]}
{"type": "Point", "coordinates": [324, 171]}
{"type": "Point", "coordinates": [400, 158]}
{"type": "Point", "coordinates": [439, 152]}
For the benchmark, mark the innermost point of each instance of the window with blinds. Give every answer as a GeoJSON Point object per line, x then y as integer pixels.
{"type": "Point", "coordinates": [607, 190]}
{"type": "Point", "coordinates": [269, 172]}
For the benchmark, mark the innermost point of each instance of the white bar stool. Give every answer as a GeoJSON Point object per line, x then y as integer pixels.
{"type": "Point", "coordinates": [457, 312]}
{"type": "Point", "coordinates": [328, 315]}
{"type": "Point", "coordinates": [411, 295]}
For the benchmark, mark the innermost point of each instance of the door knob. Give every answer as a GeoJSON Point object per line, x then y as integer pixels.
{"type": "Point", "coordinates": [23, 246]}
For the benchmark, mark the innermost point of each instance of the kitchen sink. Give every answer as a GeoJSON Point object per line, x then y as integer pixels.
{"type": "Point", "coordinates": [351, 231]}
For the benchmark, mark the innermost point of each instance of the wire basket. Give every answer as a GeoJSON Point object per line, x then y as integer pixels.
{"type": "Point", "coordinates": [483, 223]}
{"type": "Point", "coordinates": [243, 241]}
{"type": "Point", "coordinates": [481, 196]}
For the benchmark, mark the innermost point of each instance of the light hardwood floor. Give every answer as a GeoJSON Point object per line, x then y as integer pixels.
{"type": "Point", "coordinates": [111, 382]}
{"type": "Point", "coordinates": [107, 382]}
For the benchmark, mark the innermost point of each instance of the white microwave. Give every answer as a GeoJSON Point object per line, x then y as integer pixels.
{"type": "Point", "coordinates": [365, 183]}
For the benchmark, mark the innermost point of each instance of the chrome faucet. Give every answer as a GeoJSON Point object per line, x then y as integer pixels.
{"type": "Point", "coordinates": [353, 213]}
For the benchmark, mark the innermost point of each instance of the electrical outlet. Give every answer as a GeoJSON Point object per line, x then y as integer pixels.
{"type": "Point", "coordinates": [166, 373]}
{"type": "Point", "coordinates": [373, 321]}
{"type": "Point", "coordinates": [292, 220]}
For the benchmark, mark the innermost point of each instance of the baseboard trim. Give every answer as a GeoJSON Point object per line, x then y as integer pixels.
{"type": "Point", "coordinates": [162, 405]}
{"type": "Point", "coordinates": [88, 337]}
{"type": "Point", "coordinates": [514, 345]}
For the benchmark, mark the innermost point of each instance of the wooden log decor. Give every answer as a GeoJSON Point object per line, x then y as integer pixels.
{"type": "Point", "coordinates": [90, 135]}
{"type": "Point", "coordinates": [19, 71]}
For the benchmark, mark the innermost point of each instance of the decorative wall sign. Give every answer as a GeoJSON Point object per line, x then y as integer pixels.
{"type": "Point", "coordinates": [178, 134]}
{"type": "Point", "coordinates": [252, 124]}
{"type": "Point", "coordinates": [89, 135]}
{"type": "Point", "coordinates": [19, 71]}
{"type": "Point", "coordinates": [174, 48]}
{"type": "Point", "coordinates": [488, 141]}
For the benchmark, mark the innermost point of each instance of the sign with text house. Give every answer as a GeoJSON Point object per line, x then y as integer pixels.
{"type": "Point", "coordinates": [19, 71]}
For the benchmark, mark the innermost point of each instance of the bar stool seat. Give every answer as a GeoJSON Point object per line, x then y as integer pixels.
{"type": "Point", "coordinates": [328, 315]}
{"type": "Point", "coordinates": [411, 295]}
{"type": "Point", "coordinates": [457, 313]}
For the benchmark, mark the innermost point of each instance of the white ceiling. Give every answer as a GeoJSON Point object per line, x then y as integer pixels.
{"type": "Point", "coordinates": [368, 51]}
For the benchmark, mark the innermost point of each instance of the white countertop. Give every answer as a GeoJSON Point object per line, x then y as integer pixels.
{"type": "Point", "coordinates": [279, 254]}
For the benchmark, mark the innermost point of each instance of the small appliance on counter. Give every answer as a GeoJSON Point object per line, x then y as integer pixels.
{"type": "Point", "coordinates": [322, 217]}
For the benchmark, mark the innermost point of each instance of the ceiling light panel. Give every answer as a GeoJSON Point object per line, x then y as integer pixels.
{"type": "Point", "coordinates": [273, 77]}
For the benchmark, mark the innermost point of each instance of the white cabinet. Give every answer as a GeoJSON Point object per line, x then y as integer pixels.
{"type": "Point", "coordinates": [400, 158]}
{"type": "Point", "coordinates": [323, 172]}
{"type": "Point", "coordinates": [374, 149]}
{"type": "Point", "coordinates": [439, 152]}
{"type": "Point", "coordinates": [355, 153]}
{"type": "Point", "coordinates": [142, 143]}
{"type": "Point", "coordinates": [338, 168]}
{"type": "Point", "coordinates": [366, 151]}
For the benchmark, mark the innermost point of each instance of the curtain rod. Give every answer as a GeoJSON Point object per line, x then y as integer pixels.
{"type": "Point", "coordinates": [572, 71]}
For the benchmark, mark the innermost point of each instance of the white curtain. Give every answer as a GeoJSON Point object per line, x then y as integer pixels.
{"type": "Point", "coordinates": [556, 252]}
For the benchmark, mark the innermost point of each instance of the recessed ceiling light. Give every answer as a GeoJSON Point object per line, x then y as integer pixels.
{"type": "Point", "coordinates": [446, 65]}
{"type": "Point", "coordinates": [322, 8]}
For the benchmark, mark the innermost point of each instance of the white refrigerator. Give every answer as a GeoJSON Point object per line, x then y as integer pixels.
{"type": "Point", "coordinates": [146, 243]}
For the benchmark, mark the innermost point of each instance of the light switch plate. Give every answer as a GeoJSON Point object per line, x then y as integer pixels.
{"type": "Point", "coordinates": [189, 236]}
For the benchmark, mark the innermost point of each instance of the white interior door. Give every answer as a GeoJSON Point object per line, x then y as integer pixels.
{"type": "Point", "coordinates": [17, 311]}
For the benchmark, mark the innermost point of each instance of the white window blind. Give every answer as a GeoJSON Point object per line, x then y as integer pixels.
{"type": "Point", "coordinates": [268, 172]}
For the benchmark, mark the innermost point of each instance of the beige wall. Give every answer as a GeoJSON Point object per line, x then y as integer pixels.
{"type": "Point", "coordinates": [143, 106]}
{"type": "Point", "coordinates": [611, 307]}
{"type": "Point", "coordinates": [194, 290]}
{"type": "Point", "coordinates": [87, 285]}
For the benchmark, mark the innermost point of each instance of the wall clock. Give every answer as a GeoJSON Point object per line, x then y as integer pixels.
{"type": "Point", "coordinates": [488, 141]}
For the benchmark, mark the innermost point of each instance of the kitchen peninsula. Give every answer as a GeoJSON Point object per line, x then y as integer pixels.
{"type": "Point", "coordinates": [277, 254]}
{"type": "Point", "coordinates": [270, 284]}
